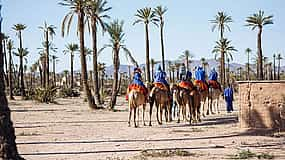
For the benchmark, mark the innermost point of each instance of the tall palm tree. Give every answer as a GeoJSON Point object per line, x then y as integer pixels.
{"type": "Point", "coordinates": [186, 56]}
{"type": "Point", "coordinates": [221, 22]}
{"type": "Point", "coordinates": [96, 13]}
{"type": "Point", "coordinates": [22, 53]}
{"type": "Point", "coordinates": [117, 35]}
{"type": "Point", "coordinates": [279, 57]}
{"type": "Point", "coordinates": [10, 47]}
{"type": "Point", "coordinates": [19, 28]}
{"type": "Point", "coordinates": [71, 48]}
{"type": "Point", "coordinates": [259, 20]}
{"type": "Point", "coordinates": [146, 16]}
{"type": "Point", "coordinates": [248, 52]}
{"type": "Point", "coordinates": [159, 11]}
{"type": "Point", "coordinates": [5, 41]}
{"type": "Point", "coordinates": [224, 48]}
{"type": "Point", "coordinates": [49, 31]}
{"type": "Point", "coordinates": [78, 7]}
{"type": "Point", "coordinates": [177, 68]}
{"type": "Point", "coordinates": [54, 60]}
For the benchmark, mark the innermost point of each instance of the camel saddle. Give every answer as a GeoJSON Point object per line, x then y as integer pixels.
{"type": "Point", "coordinates": [214, 84]}
{"type": "Point", "coordinates": [186, 85]}
{"type": "Point", "coordinates": [160, 86]}
{"type": "Point", "coordinates": [136, 87]}
{"type": "Point", "coordinates": [202, 85]}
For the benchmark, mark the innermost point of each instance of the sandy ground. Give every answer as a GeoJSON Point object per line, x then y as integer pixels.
{"type": "Point", "coordinates": [70, 130]}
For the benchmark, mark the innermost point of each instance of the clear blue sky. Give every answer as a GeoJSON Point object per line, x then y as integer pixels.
{"type": "Point", "coordinates": [186, 27]}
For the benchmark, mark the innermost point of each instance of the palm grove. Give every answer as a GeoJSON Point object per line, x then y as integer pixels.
{"type": "Point", "coordinates": [92, 15]}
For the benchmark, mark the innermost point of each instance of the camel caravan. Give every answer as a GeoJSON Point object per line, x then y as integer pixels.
{"type": "Point", "coordinates": [187, 97]}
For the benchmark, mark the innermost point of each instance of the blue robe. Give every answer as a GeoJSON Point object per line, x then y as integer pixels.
{"type": "Point", "coordinates": [228, 93]}
{"type": "Point", "coordinates": [200, 74]}
{"type": "Point", "coordinates": [213, 75]}
{"type": "Point", "coordinates": [160, 76]}
{"type": "Point", "coordinates": [188, 75]}
{"type": "Point", "coordinates": [137, 79]}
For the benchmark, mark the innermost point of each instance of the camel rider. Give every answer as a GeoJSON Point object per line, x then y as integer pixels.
{"type": "Point", "coordinates": [160, 77]}
{"type": "Point", "coordinates": [213, 79]}
{"type": "Point", "coordinates": [200, 78]}
{"type": "Point", "coordinates": [137, 82]}
{"type": "Point", "coordinates": [182, 71]}
{"type": "Point", "coordinates": [186, 83]}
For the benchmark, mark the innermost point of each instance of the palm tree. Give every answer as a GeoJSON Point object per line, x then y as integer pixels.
{"type": "Point", "coordinates": [185, 57]}
{"type": "Point", "coordinates": [54, 60]}
{"type": "Point", "coordinates": [22, 53]}
{"type": "Point", "coordinates": [146, 16]}
{"type": "Point", "coordinates": [96, 13]}
{"type": "Point", "coordinates": [78, 7]}
{"type": "Point", "coordinates": [259, 20]}
{"type": "Point", "coordinates": [177, 67]}
{"type": "Point", "coordinates": [5, 41]}
{"type": "Point", "coordinates": [248, 52]}
{"type": "Point", "coordinates": [159, 11]}
{"type": "Point", "coordinates": [49, 31]}
{"type": "Point", "coordinates": [279, 57]}
{"type": "Point", "coordinates": [169, 70]}
{"type": "Point", "coordinates": [224, 48]}
{"type": "Point", "coordinates": [10, 47]}
{"type": "Point", "coordinates": [221, 22]}
{"type": "Point", "coordinates": [71, 48]}
{"type": "Point", "coordinates": [117, 35]}
{"type": "Point", "coordinates": [19, 28]}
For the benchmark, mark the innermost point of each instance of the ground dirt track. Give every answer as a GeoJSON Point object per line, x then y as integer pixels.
{"type": "Point", "coordinates": [70, 130]}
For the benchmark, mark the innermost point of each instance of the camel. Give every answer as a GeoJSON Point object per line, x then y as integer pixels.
{"type": "Point", "coordinates": [160, 98]}
{"type": "Point", "coordinates": [184, 98]}
{"type": "Point", "coordinates": [213, 100]}
{"type": "Point", "coordinates": [136, 99]}
{"type": "Point", "coordinates": [203, 97]}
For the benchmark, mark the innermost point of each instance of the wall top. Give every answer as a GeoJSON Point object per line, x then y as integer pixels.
{"type": "Point", "coordinates": [261, 81]}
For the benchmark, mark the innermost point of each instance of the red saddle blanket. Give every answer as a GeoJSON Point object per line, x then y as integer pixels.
{"type": "Point", "coordinates": [186, 85]}
{"type": "Point", "coordinates": [214, 84]}
{"type": "Point", "coordinates": [136, 87]}
{"type": "Point", "coordinates": [160, 86]}
{"type": "Point", "coordinates": [202, 85]}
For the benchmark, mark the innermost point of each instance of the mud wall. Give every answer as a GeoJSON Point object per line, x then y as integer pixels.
{"type": "Point", "coordinates": [262, 104]}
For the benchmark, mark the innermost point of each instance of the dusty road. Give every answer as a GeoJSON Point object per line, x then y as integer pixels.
{"type": "Point", "coordinates": [70, 130]}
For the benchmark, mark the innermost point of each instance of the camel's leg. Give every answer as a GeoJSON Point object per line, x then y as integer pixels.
{"type": "Point", "coordinates": [178, 113]}
{"type": "Point", "coordinates": [135, 112]}
{"type": "Point", "coordinates": [157, 112]}
{"type": "Point", "coordinates": [138, 110]}
{"type": "Point", "coordinates": [130, 114]}
{"type": "Point", "coordinates": [170, 113]}
{"type": "Point", "coordinates": [165, 113]}
{"type": "Point", "coordinates": [160, 110]}
{"type": "Point", "coordinates": [150, 111]}
{"type": "Point", "coordinates": [217, 101]}
{"type": "Point", "coordinates": [143, 114]}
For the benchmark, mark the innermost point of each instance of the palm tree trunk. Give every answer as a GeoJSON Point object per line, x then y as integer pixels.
{"type": "Point", "coordinates": [47, 60]}
{"type": "Point", "coordinates": [248, 76]}
{"type": "Point", "coordinates": [54, 80]}
{"type": "Point", "coordinates": [187, 63]}
{"type": "Point", "coordinates": [274, 68]}
{"type": "Point", "coordinates": [22, 88]}
{"type": "Point", "coordinates": [84, 76]}
{"type": "Point", "coordinates": [223, 77]}
{"type": "Point", "coordinates": [10, 76]}
{"type": "Point", "coordinates": [129, 70]}
{"type": "Point", "coordinates": [6, 65]}
{"type": "Point", "coordinates": [152, 72]}
{"type": "Point", "coordinates": [8, 149]}
{"type": "Point", "coordinates": [41, 75]}
{"type": "Point", "coordinates": [95, 63]}
{"type": "Point", "coordinates": [71, 70]}
{"type": "Point", "coordinates": [147, 54]}
{"type": "Point", "coordinates": [162, 45]}
{"type": "Point", "coordinates": [44, 73]}
{"type": "Point", "coordinates": [278, 69]}
{"type": "Point", "coordinates": [259, 54]}
{"type": "Point", "coordinates": [115, 79]}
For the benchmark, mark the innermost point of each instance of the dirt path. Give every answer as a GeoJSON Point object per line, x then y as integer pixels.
{"type": "Point", "coordinates": [70, 130]}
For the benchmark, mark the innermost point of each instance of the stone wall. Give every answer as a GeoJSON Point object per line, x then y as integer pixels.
{"type": "Point", "coordinates": [262, 104]}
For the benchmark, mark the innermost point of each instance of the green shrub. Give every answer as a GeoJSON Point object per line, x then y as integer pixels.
{"type": "Point", "coordinates": [30, 93]}
{"type": "Point", "coordinates": [45, 95]}
{"type": "Point", "coordinates": [68, 92]}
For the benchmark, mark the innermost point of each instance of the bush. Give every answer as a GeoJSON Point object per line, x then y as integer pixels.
{"type": "Point", "coordinates": [68, 92]}
{"type": "Point", "coordinates": [45, 95]}
{"type": "Point", "coordinates": [30, 93]}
